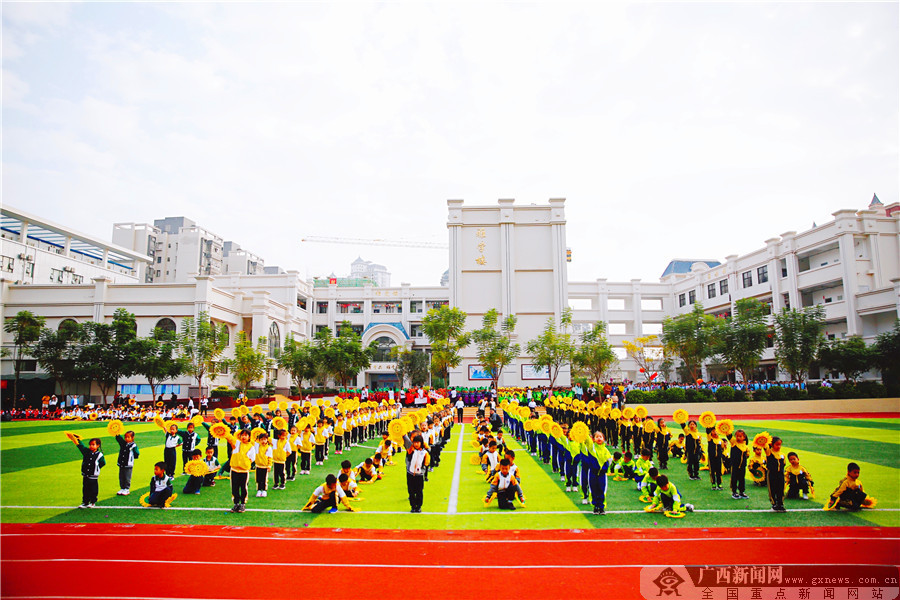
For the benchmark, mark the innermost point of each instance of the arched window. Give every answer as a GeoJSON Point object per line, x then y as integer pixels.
{"type": "Point", "coordinates": [274, 340]}
{"type": "Point", "coordinates": [383, 353]}
{"type": "Point", "coordinates": [225, 330]}
{"type": "Point", "coordinates": [166, 324]}
{"type": "Point", "coordinates": [67, 324]}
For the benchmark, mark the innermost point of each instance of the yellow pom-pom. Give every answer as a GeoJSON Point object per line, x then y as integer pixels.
{"type": "Point", "coordinates": [197, 420]}
{"type": "Point", "coordinates": [762, 439]}
{"type": "Point", "coordinates": [628, 413]}
{"type": "Point", "coordinates": [196, 468]}
{"type": "Point", "coordinates": [219, 414]}
{"type": "Point", "coordinates": [475, 459]}
{"type": "Point", "coordinates": [219, 430]}
{"type": "Point", "coordinates": [641, 412]}
{"type": "Point", "coordinates": [708, 419]}
{"type": "Point", "coordinates": [680, 416]}
{"type": "Point", "coordinates": [115, 427]}
{"type": "Point", "coordinates": [279, 423]}
{"type": "Point", "coordinates": [725, 427]}
{"type": "Point", "coordinates": [615, 414]}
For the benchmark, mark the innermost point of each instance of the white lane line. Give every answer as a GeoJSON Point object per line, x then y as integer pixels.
{"type": "Point", "coordinates": [457, 471]}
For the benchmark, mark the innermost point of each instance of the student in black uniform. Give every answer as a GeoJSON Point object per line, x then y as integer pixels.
{"type": "Point", "coordinates": [775, 463]}
{"type": "Point", "coordinates": [189, 442]}
{"type": "Point", "coordinates": [128, 452]}
{"type": "Point", "coordinates": [739, 455]}
{"type": "Point", "coordinates": [91, 462]}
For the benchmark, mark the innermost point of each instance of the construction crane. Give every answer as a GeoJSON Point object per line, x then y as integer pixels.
{"type": "Point", "coordinates": [320, 239]}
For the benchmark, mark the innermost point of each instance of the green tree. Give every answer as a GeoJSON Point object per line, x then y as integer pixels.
{"type": "Point", "coordinates": [850, 357]}
{"type": "Point", "coordinates": [646, 353]}
{"type": "Point", "coordinates": [158, 359]}
{"type": "Point", "coordinates": [249, 364]}
{"type": "Point", "coordinates": [693, 337]}
{"type": "Point", "coordinates": [554, 347]}
{"type": "Point", "coordinates": [445, 328]}
{"type": "Point", "coordinates": [495, 347]}
{"type": "Point", "coordinates": [299, 359]}
{"type": "Point", "coordinates": [55, 353]}
{"type": "Point", "coordinates": [342, 357]}
{"type": "Point", "coordinates": [798, 337]}
{"type": "Point", "coordinates": [411, 365]}
{"type": "Point", "coordinates": [201, 343]}
{"type": "Point", "coordinates": [595, 357]}
{"type": "Point", "coordinates": [25, 329]}
{"type": "Point", "coordinates": [744, 336]}
{"type": "Point", "coordinates": [105, 352]}
{"type": "Point", "coordinates": [887, 355]}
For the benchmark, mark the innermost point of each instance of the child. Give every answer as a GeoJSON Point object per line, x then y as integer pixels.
{"type": "Point", "coordinates": [263, 462]}
{"type": "Point", "coordinates": [692, 450]}
{"type": "Point", "coordinates": [738, 455]}
{"type": "Point", "coordinates": [212, 464]}
{"type": "Point", "coordinates": [662, 444]}
{"type": "Point", "coordinates": [757, 467]}
{"type": "Point", "coordinates": [596, 456]}
{"type": "Point", "coordinates": [490, 461]}
{"type": "Point", "coordinates": [160, 485]}
{"type": "Point", "coordinates": [279, 457]}
{"type": "Point", "coordinates": [714, 453]}
{"type": "Point", "coordinates": [128, 452]}
{"type": "Point", "coordinates": [194, 481]}
{"type": "Point", "coordinates": [173, 441]}
{"type": "Point", "coordinates": [641, 466]}
{"type": "Point", "coordinates": [91, 462]}
{"type": "Point", "coordinates": [417, 460]}
{"type": "Point", "coordinates": [321, 440]}
{"type": "Point", "coordinates": [305, 448]}
{"type": "Point", "coordinates": [366, 471]}
{"type": "Point", "coordinates": [327, 496]}
{"type": "Point", "coordinates": [667, 497]}
{"type": "Point", "coordinates": [242, 455]}
{"type": "Point", "coordinates": [676, 446]}
{"type": "Point", "coordinates": [347, 469]}
{"type": "Point", "coordinates": [189, 442]}
{"type": "Point", "coordinates": [796, 478]}
{"type": "Point", "coordinates": [211, 440]}
{"type": "Point", "coordinates": [649, 484]}
{"type": "Point", "coordinates": [849, 493]}
{"type": "Point", "coordinates": [385, 449]}
{"type": "Point", "coordinates": [506, 485]}
{"type": "Point", "coordinates": [775, 474]}
{"type": "Point", "coordinates": [291, 463]}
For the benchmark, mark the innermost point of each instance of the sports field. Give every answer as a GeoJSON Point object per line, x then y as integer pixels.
{"type": "Point", "coordinates": [40, 489]}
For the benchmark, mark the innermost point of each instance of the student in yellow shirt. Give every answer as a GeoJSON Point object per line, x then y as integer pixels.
{"type": "Point", "coordinates": [280, 452]}
{"type": "Point", "coordinates": [263, 463]}
{"type": "Point", "coordinates": [242, 455]}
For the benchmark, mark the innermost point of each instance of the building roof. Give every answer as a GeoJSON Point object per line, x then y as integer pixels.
{"type": "Point", "coordinates": [683, 266]}
{"type": "Point", "coordinates": [875, 201]}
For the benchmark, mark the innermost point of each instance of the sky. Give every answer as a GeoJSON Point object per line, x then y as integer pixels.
{"type": "Point", "coordinates": [673, 130]}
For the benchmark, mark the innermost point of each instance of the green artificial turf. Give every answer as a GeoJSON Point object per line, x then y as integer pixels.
{"type": "Point", "coordinates": [41, 469]}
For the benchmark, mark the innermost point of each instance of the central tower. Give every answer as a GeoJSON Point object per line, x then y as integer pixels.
{"type": "Point", "coordinates": [513, 258]}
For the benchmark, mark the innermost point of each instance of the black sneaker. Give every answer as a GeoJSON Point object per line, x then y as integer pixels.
{"type": "Point", "coordinates": [735, 497]}
{"type": "Point", "coordinates": [689, 507]}
{"type": "Point", "coordinates": [597, 510]}
{"type": "Point", "coordinates": [743, 496]}
{"type": "Point", "coordinates": [242, 508]}
{"type": "Point", "coordinates": [236, 508]}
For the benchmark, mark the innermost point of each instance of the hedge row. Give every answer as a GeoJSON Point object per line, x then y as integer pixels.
{"type": "Point", "coordinates": [842, 390]}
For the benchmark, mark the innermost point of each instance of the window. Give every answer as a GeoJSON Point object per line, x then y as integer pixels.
{"type": "Point", "coordinates": [416, 331]}
{"type": "Point", "coordinates": [158, 259]}
{"type": "Point", "coordinates": [166, 324]}
{"type": "Point", "coordinates": [27, 366]}
{"type": "Point", "coordinates": [787, 300]}
{"type": "Point", "coordinates": [274, 340]}
{"type": "Point", "coordinates": [615, 304]}
{"type": "Point", "coordinates": [223, 367]}
{"type": "Point", "coordinates": [747, 278]}
{"type": "Point", "coordinates": [383, 350]}
{"type": "Point", "coordinates": [77, 279]}
{"type": "Point", "coordinates": [8, 264]}
{"type": "Point", "coordinates": [301, 302]}
{"type": "Point", "coordinates": [680, 299]}
{"type": "Point", "coordinates": [762, 274]}
{"type": "Point", "coordinates": [723, 287]}
{"type": "Point", "coordinates": [56, 275]}
{"type": "Point", "coordinates": [711, 290]}
{"type": "Point", "coordinates": [692, 296]}
{"type": "Point", "coordinates": [29, 269]}
{"type": "Point", "coordinates": [651, 304]}
{"type": "Point", "coordinates": [158, 273]}
{"type": "Point", "coordinates": [415, 306]}
{"type": "Point", "coordinates": [322, 308]}
{"type": "Point", "coordinates": [783, 268]}
{"type": "Point", "coordinates": [651, 329]}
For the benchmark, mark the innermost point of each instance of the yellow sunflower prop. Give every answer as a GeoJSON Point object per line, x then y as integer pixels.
{"type": "Point", "coordinates": [762, 439]}
{"type": "Point", "coordinates": [674, 515]}
{"type": "Point", "coordinates": [475, 459]}
{"type": "Point", "coordinates": [628, 413]}
{"type": "Point", "coordinates": [641, 411]}
{"type": "Point", "coordinates": [546, 426]}
{"type": "Point", "coordinates": [524, 412]}
{"type": "Point", "coordinates": [529, 425]}
{"type": "Point", "coordinates": [257, 409]}
{"type": "Point", "coordinates": [72, 436]}
{"type": "Point", "coordinates": [396, 428]}
{"type": "Point", "coordinates": [245, 410]}
{"type": "Point", "coordinates": [169, 425]}
{"type": "Point", "coordinates": [115, 428]}
{"type": "Point", "coordinates": [196, 468]}
{"type": "Point", "coordinates": [708, 419]}
{"type": "Point", "coordinates": [680, 416]}
{"type": "Point", "coordinates": [93, 416]}
{"type": "Point", "coordinates": [725, 427]}
{"type": "Point", "coordinates": [255, 433]}
{"type": "Point", "coordinates": [556, 430]}
{"type": "Point", "coordinates": [580, 432]}
{"type": "Point", "coordinates": [236, 412]}
{"type": "Point", "coordinates": [476, 445]}
{"type": "Point", "coordinates": [159, 421]}
{"type": "Point", "coordinates": [649, 426]}
{"type": "Point", "coordinates": [615, 414]}
{"type": "Point", "coordinates": [219, 430]}
{"type": "Point", "coordinates": [273, 405]}
{"type": "Point", "coordinates": [283, 405]}
{"type": "Point", "coordinates": [279, 423]}
{"type": "Point", "coordinates": [219, 414]}
{"type": "Point", "coordinates": [197, 420]}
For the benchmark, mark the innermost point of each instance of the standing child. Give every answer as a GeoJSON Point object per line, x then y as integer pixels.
{"type": "Point", "coordinates": [160, 486]}
{"type": "Point", "coordinates": [692, 449]}
{"type": "Point", "coordinates": [739, 456]}
{"type": "Point", "coordinates": [775, 474]}
{"type": "Point", "coordinates": [291, 463]}
{"type": "Point", "coordinates": [91, 462]}
{"type": "Point", "coordinates": [595, 455]}
{"type": "Point", "coordinates": [417, 460]}
{"type": "Point", "coordinates": [173, 441]}
{"type": "Point", "coordinates": [662, 444]}
{"type": "Point", "coordinates": [128, 452]}
{"type": "Point", "coordinates": [280, 454]}
{"type": "Point", "coordinates": [714, 453]}
{"type": "Point", "coordinates": [756, 465]}
{"type": "Point", "coordinates": [263, 463]}
{"type": "Point", "coordinates": [305, 448]}
{"type": "Point", "coordinates": [242, 455]}
{"type": "Point", "coordinates": [321, 440]}
{"type": "Point", "coordinates": [796, 478]}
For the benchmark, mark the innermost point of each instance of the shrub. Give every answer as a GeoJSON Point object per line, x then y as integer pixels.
{"type": "Point", "coordinates": [761, 396]}
{"type": "Point", "coordinates": [825, 393]}
{"type": "Point", "coordinates": [674, 396]}
{"type": "Point", "coordinates": [652, 397]}
{"type": "Point", "coordinates": [690, 395]}
{"type": "Point", "coordinates": [871, 389]}
{"type": "Point", "coordinates": [791, 393]}
{"type": "Point", "coordinates": [740, 396]}
{"type": "Point", "coordinates": [635, 397]}
{"type": "Point", "coordinates": [705, 395]}
{"type": "Point", "coordinates": [725, 394]}
{"type": "Point", "coordinates": [777, 393]}
{"type": "Point", "coordinates": [804, 395]}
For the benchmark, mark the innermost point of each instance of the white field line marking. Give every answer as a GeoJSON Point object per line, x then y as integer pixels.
{"type": "Point", "coordinates": [453, 499]}
{"type": "Point", "coordinates": [556, 540]}
{"type": "Point", "coordinates": [521, 511]}
{"type": "Point", "coordinates": [127, 561]}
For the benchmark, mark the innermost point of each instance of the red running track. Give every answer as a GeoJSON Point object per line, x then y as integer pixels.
{"type": "Point", "coordinates": [148, 561]}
